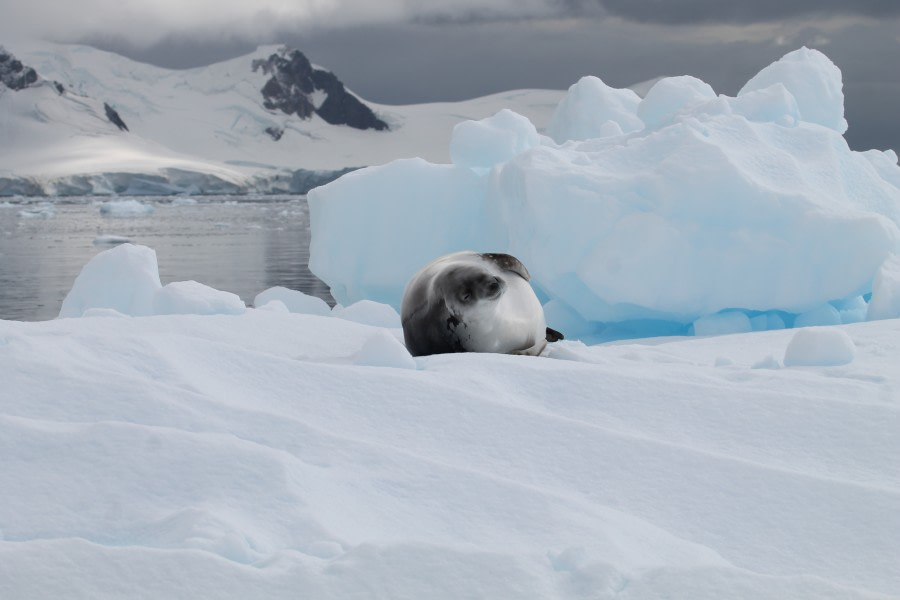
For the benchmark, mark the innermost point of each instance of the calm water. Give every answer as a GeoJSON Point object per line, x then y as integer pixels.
{"type": "Point", "coordinates": [230, 243]}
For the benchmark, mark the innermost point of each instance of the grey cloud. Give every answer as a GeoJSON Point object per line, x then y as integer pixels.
{"type": "Point", "coordinates": [719, 11]}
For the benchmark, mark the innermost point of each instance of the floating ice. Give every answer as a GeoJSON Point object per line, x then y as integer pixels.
{"type": "Point", "coordinates": [109, 239]}
{"type": "Point", "coordinates": [819, 347]}
{"type": "Point", "coordinates": [124, 278]}
{"type": "Point", "coordinates": [126, 208]}
{"type": "Point", "coordinates": [45, 210]}
{"type": "Point", "coordinates": [295, 301]}
{"type": "Point", "coordinates": [717, 204]}
{"type": "Point", "coordinates": [193, 298]}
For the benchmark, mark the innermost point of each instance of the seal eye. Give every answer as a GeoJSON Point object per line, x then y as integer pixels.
{"type": "Point", "coordinates": [465, 296]}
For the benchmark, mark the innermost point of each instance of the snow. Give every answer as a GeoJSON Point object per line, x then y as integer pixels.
{"type": "Point", "coordinates": [200, 130]}
{"type": "Point", "coordinates": [712, 206]}
{"type": "Point", "coordinates": [168, 441]}
{"type": "Point", "coordinates": [265, 452]}
{"type": "Point", "coordinates": [819, 346]}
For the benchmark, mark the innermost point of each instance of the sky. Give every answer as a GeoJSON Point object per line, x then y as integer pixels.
{"type": "Point", "coordinates": [410, 51]}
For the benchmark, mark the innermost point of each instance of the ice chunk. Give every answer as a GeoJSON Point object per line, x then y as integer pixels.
{"type": "Point", "coordinates": [126, 208]}
{"type": "Point", "coordinates": [193, 298]}
{"type": "Point", "coordinates": [368, 312]}
{"type": "Point", "coordinates": [482, 144]}
{"type": "Point", "coordinates": [822, 315]}
{"type": "Point", "coordinates": [813, 80]}
{"type": "Point", "coordinates": [774, 103]}
{"type": "Point", "coordinates": [722, 324]}
{"type": "Point", "coordinates": [592, 109]}
{"type": "Point", "coordinates": [109, 239]}
{"type": "Point", "coordinates": [124, 278]}
{"type": "Point", "coordinates": [44, 210]}
{"type": "Point", "coordinates": [885, 302]}
{"type": "Point", "coordinates": [382, 349]}
{"type": "Point", "coordinates": [819, 346]}
{"type": "Point", "coordinates": [672, 96]}
{"type": "Point", "coordinates": [294, 300]}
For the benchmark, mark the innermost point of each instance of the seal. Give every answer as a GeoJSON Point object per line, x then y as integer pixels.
{"type": "Point", "coordinates": [473, 302]}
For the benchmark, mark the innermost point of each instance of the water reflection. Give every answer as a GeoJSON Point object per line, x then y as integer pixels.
{"type": "Point", "coordinates": [227, 243]}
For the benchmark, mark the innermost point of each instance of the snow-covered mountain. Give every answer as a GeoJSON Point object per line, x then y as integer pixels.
{"type": "Point", "coordinates": [88, 121]}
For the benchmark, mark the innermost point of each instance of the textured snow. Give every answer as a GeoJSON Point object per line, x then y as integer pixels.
{"type": "Point", "coordinates": [713, 205]}
{"type": "Point", "coordinates": [262, 453]}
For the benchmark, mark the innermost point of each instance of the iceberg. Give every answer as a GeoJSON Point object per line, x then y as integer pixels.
{"type": "Point", "coordinates": [638, 214]}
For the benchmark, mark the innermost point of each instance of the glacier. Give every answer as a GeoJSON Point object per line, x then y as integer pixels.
{"type": "Point", "coordinates": [208, 130]}
{"type": "Point", "coordinates": [639, 216]}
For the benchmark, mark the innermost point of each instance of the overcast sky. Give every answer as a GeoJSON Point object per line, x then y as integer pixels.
{"type": "Point", "coordinates": [407, 51]}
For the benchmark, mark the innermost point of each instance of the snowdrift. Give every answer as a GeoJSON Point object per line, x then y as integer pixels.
{"type": "Point", "coordinates": [214, 450]}
{"type": "Point", "coordinates": [640, 216]}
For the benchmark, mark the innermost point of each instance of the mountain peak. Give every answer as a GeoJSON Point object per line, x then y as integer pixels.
{"type": "Point", "coordinates": [296, 87]}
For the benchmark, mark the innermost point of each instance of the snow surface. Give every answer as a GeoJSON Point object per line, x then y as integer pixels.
{"type": "Point", "coordinates": [271, 453]}
{"type": "Point", "coordinates": [199, 130]}
{"type": "Point", "coordinates": [710, 205]}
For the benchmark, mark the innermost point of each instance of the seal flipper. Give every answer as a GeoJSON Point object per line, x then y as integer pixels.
{"type": "Point", "coordinates": [507, 262]}
{"type": "Point", "coordinates": [554, 336]}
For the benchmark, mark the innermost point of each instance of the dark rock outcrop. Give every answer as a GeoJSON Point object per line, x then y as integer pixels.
{"type": "Point", "coordinates": [13, 74]}
{"type": "Point", "coordinates": [293, 83]}
{"type": "Point", "coordinates": [114, 117]}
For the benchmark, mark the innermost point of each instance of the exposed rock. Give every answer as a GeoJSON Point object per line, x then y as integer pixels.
{"type": "Point", "coordinates": [294, 80]}
{"type": "Point", "coordinates": [13, 74]}
{"type": "Point", "coordinates": [114, 117]}
{"type": "Point", "coordinates": [275, 132]}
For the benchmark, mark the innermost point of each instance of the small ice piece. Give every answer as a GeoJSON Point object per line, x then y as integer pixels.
{"type": "Point", "coordinates": [193, 298]}
{"type": "Point", "coordinates": [108, 239]}
{"type": "Point", "coordinates": [368, 312]}
{"type": "Point", "coordinates": [103, 312]}
{"type": "Point", "coordinates": [295, 301]}
{"type": "Point", "coordinates": [885, 302]}
{"type": "Point", "coordinates": [40, 211]}
{"type": "Point", "coordinates": [819, 347]}
{"type": "Point", "coordinates": [722, 324]}
{"type": "Point", "coordinates": [124, 278]}
{"type": "Point", "coordinates": [184, 201]}
{"type": "Point", "coordinates": [382, 349]}
{"type": "Point", "coordinates": [823, 315]}
{"type": "Point", "coordinates": [125, 208]}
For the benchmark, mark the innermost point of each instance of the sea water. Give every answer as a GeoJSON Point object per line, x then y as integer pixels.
{"type": "Point", "coordinates": [239, 244]}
